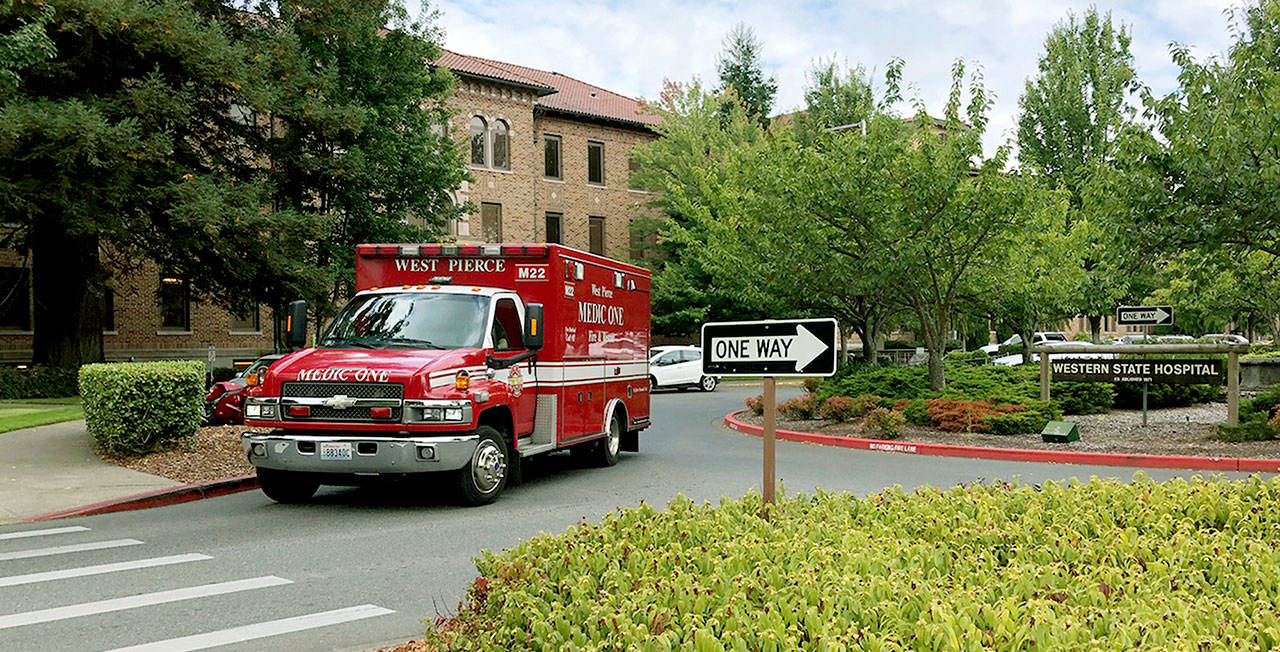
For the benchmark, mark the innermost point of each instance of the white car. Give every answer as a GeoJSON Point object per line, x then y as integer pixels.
{"type": "Point", "coordinates": [680, 367]}
{"type": "Point", "coordinates": [1016, 359]}
{"type": "Point", "coordinates": [1047, 338]}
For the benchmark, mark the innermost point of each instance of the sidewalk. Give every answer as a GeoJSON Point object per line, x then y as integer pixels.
{"type": "Point", "coordinates": [50, 468]}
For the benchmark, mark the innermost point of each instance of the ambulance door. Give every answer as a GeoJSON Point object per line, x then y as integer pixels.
{"type": "Point", "coordinates": [507, 340]}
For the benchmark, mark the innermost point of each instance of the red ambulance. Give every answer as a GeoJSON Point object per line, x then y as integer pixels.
{"type": "Point", "coordinates": [457, 359]}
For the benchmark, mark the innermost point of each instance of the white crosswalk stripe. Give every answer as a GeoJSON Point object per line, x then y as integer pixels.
{"type": "Point", "coordinates": [260, 630]}
{"type": "Point", "coordinates": [62, 550]}
{"type": "Point", "coordinates": [100, 569]}
{"type": "Point", "coordinates": [135, 601]}
{"type": "Point", "coordinates": [45, 532]}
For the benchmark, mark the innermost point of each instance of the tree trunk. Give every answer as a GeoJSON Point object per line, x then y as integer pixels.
{"type": "Point", "coordinates": [1095, 327]}
{"type": "Point", "coordinates": [1026, 346]}
{"type": "Point", "coordinates": [66, 281]}
{"type": "Point", "coordinates": [935, 339]}
{"type": "Point", "coordinates": [870, 340]}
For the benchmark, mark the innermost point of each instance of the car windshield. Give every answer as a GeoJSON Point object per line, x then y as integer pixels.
{"type": "Point", "coordinates": [257, 367]}
{"type": "Point", "coordinates": [409, 320]}
{"type": "Point", "coordinates": [1056, 337]}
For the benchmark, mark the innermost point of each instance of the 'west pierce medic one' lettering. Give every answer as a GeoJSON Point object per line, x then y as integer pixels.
{"type": "Point", "coordinates": [432, 265]}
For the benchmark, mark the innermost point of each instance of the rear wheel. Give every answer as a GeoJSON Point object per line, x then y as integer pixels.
{"type": "Point", "coordinates": [286, 486]}
{"type": "Point", "coordinates": [653, 383]}
{"type": "Point", "coordinates": [484, 477]}
{"type": "Point", "coordinates": [606, 451]}
{"type": "Point", "coordinates": [708, 383]}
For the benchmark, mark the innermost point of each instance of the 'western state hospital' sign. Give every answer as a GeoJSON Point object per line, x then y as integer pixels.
{"type": "Point", "coordinates": [1138, 371]}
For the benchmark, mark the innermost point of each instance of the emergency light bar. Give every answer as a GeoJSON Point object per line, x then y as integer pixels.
{"type": "Point", "coordinates": [414, 251]}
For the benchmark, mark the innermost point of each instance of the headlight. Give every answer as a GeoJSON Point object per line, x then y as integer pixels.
{"type": "Point", "coordinates": [260, 408]}
{"type": "Point", "coordinates": [437, 411]}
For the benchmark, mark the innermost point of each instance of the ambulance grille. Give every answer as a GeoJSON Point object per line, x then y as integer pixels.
{"type": "Point", "coordinates": [308, 389]}
{"type": "Point", "coordinates": [321, 413]}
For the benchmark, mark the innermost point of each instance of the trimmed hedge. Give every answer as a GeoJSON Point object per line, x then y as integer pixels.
{"type": "Point", "coordinates": [132, 408]}
{"type": "Point", "coordinates": [1099, 565]}
{"type": "Point", "coordinates": [38, 382]}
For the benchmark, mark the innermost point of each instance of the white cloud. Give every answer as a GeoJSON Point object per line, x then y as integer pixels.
{"type": "Point", "coordinates": [630, 47]}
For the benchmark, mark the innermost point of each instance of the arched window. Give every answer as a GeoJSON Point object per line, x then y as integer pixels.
{"type": "Point", "coordinates": [501, 159]}
{"type": "Point", "coordinates": [478, 140]}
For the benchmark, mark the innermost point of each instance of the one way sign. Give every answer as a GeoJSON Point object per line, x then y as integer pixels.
{"type": "Point", "coordinates": [1144, 315]}
{"type": "Point", "coordinates": [797, 347]}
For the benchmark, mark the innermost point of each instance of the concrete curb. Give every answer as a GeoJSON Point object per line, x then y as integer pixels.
{"type": "Point", "coordinates": [1019, 454]}
{"type": "Point", "coordinates": [171, 496]}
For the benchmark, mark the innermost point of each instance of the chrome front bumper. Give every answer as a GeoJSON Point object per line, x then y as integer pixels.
{"type": "Point", "coordinates": [285, 452]}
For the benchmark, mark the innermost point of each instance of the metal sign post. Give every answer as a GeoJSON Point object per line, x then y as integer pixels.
{"type": "Point", "coordinates": [770, 348]}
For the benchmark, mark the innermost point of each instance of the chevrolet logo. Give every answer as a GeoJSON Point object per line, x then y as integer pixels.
{"type": "Point", "coordinates": [340, 402]}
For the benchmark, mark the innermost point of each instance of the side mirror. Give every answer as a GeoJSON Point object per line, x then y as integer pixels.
{"type": "Point", "coordinates": [296, 325]}
{"type": "Point", "coordinates": [533, 326]}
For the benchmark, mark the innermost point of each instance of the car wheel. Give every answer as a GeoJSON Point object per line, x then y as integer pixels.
{"type": "Point", "coordinates": [653, 383]}
{"type": "Point", "coordinates": [708, 383]}
{"type": "Point", "coordinates": [484, 477]}
{"type": "Point", "coordinates": [286, 486]}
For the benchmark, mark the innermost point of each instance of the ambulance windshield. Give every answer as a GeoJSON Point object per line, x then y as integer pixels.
{"type": "Point", "coordinates": [411, 320]}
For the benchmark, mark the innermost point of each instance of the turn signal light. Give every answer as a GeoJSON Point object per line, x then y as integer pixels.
{"type": "Point", "coordinates": [462, 380]}
{"type": "Point", "coordinates": [380, 412]}
{"type": "Point", "coordinates": [299, 411]}
{"type": "Point", "coordinates": [252, 380]}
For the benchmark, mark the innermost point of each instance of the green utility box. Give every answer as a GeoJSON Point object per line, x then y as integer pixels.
{"type": "Point", "coordinates": [1060, 432]}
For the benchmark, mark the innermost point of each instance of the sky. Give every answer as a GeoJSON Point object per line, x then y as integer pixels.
{"type": "Point", "coordinates": [631, 47]}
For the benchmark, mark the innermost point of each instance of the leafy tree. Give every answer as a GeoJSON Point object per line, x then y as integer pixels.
{"type": "Point", "coordinates": [26, 43]}
{"type": "Point", "coordinates": [1221, 290]}
{"type": "Point", "coordinates": [741, 69]}
{"type": "Point", "coordinates": [356, 137]}
{"type": "Point", "coordinates": [835, 97]}
{"type": "Point", "coordinates": [1072, 113]}
{"type": "Point", "coordinates": [123, 143]}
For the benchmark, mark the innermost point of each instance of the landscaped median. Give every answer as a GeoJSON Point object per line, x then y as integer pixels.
{"type": "Point", "coordinates": [1094, 565]}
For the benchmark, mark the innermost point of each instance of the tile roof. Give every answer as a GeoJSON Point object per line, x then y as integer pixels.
{"type": "Point", "coordinates": [557, 92]}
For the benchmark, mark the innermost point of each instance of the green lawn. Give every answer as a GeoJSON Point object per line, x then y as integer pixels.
{"type": "Point", "coordinates": [68, 400]}
{"type": "Point", "coordinates": [26, 415]}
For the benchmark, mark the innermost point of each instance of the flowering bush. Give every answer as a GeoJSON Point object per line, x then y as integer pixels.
{"type": "Point", "coordinates": [838, 409]}
{"type": "Point", "coordinates": [883, 424]}
{"type": "Point", "coordinates": [965, 416]}
{"type": "Point", "coordinates": [755, 404]}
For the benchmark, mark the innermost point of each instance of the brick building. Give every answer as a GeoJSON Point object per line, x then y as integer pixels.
{"type": "Point", "coordinates": [549, 155]}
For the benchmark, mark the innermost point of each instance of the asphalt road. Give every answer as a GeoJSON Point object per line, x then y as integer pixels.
{"type": "Point", "coordinates": [360, 568]}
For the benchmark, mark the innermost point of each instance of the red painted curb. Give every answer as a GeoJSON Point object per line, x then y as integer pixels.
{"type": "Point", "coordinates": [1019, 454]}
{"type": "Point", "coordinates": [172, 496]}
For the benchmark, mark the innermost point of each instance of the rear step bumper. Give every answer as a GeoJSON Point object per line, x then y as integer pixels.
{"type": "Point", "coordinates": [286, 452]}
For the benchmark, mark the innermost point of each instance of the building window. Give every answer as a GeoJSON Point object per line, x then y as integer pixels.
{"type": "Point", "coordinates": [596, 233]}
{"type": "Point", "coordinates": [15, 299]}
{"type": "Point", "coordinates": [108, 310]}
{"type": "Point", "coordinates": [501, 150]}
{"type": "Point", "coordinates": [595, 162]}
{"type": "Point", "coordinates": [478, 140]}
{"type": "Point", "coordinates": [553, 227]}
{"type": "Point", "coordinates": [551, 156]}
{"type": "Point", "coordinates": [491, 222]}
{"type": "Point", "coordinates": [246, 320]}
{"type": "Point", "coordinates": [175, 304]}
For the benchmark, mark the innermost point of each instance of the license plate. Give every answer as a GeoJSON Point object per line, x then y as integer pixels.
{"type": "Point", "coordinates": [335, 450]}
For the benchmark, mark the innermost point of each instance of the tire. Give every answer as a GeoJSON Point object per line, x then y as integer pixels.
{"type": "Point", "coordinates": [653, 383]}
{"type": "Point", "coordinates": [485, 476]}
{"type": "Point", "coordinates": [708, 383]}
{"type": "Point", "coordinates": [286, 486]}
{"type": "Point", "coordinates": [605, 452]}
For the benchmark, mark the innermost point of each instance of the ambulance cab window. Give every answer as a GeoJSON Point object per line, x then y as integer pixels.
{"type": "Point", "coordinates": [507, 331]}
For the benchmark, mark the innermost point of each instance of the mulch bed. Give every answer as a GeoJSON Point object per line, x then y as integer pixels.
{"type": "Point", "coordinates": [1171, 431]}
{"type": "Point", "coordinates": [214, 453]}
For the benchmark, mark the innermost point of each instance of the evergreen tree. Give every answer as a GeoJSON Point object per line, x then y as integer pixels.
{"type": "Point", "coordinates": [741, 69]}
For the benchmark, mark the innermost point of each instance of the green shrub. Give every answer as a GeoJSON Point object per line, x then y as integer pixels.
{"type": "Point", "coordinates": [882, 424]}
{"type": "Point", "coordinates": [1083, 398]}
{"type": "Point", "coordinates": [1255, 430]}
{"type": "Point", "coordinates": [1263, 406]}
{"type": "Point", "coordinates": [1099, 565]}
{"type": "Point", "coordinates": [1262, 348]}
{"type": "Point", "coordinates": [135, 407]}
{"type": "Point", "coordinates": [801, 408]}
{"type": "Point", "coordinates": [37, 382]}
{"type": "Point", "coordinates": [976, 356]}
{"type": "Point", "coordinates": [1017, 423]}
{"type": "Point", "coordinates": [915, 411]}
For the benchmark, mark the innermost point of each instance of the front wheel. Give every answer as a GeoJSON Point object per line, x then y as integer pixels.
{"type": "Point", "coordinates": [708, 383]}
{"type": "Point", "coordinates": [286, 486]}
{"type": "Point", "coordinates": [484, 477]}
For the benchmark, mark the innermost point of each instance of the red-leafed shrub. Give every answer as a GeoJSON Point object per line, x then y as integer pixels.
{"type": "Point", "coordinates": [799, 409]}
{"type": "Point", "coordinates": [883, 424]}
{"type": "Point", "coordinates": [965, 416]}
{"type": "Point", "coordinates": [755, 404]}
{"type": "Point", "coordinates": [838, 409]}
